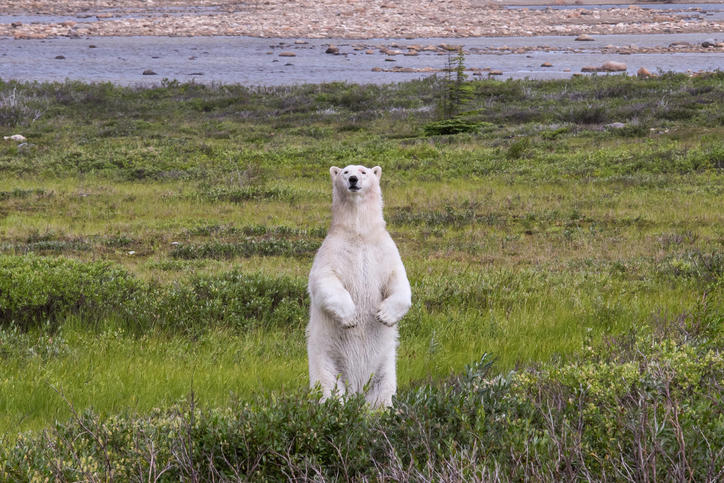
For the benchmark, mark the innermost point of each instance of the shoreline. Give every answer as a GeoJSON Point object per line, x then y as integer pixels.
{"type": "Point", "coordinates": [355, 19]}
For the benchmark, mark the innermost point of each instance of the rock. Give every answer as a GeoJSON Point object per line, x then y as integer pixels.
{"type": "Point", "coordinates": [369, 52]}
{"type": "Point", "coordinates": [611, 66]}
{"type": "Point", "coordinates": [15, 137]}
{"type": "Point", "coordinates": [376, 69]}
{"type": "Point", "coordinates": [16, 24]}
{"type": "Point", "coordinates": [450, 47]}
{"type": "Point", "coordinates": [91, 46]}
{"type": "Point", "coordinates": [589, 68]}
{"type": "Point", "coordinates": [679, 45]}
{"type": "Point", "coordinates": [287, 53]}
{"type": "Point", "coordinates": [387, 59]}
{"type": "Point", "coordinates": [644, 73]}
{"type": "Point", "coordinates": [495, 72]}
{"type": "Point", "coordinates": [301, 42]}
{"type": "Point", "coordinates": [149, 72]}
{"type": "Point", "coordinates": [708, 43]}
{"type": "Point", "coordinates": [546, 64]}
{"type": "Point", "coordinates": [60, 57]}
{"type": "Point", "coordinates": [615, 125]}
{"type": "Point", "coordinates": [332, 49]}
{"type": "Point", "coordinates": [584, 38]}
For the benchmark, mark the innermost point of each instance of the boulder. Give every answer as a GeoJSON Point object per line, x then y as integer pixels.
{"type": "Point", "coordinates": [611, 66]}
{"type": "Point", "coordinates": [584, 38]}
{"type": "Point", "coordinates": [644, 73]}
{"type": "Point", "coordinates": [332, 49]}
{"type": "Point", "coordinates": [287, 53]}
{"type": "Point", "coordinates": [149, 72]}
{"type": "Point", "coordinates": [546, 64]}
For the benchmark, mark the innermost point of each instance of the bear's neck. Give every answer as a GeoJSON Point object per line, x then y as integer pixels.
{"type": "Point", "coordinates": [357, 218]}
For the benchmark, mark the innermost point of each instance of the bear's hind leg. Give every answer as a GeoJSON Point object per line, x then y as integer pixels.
{"type": "Point", "coordinates": [324, 373]}
{"type": "Point", "coordinates": [383, 385]}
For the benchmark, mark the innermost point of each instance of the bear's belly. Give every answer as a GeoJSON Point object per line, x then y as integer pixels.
{"type": "Point", "coordinates": [365, 282]}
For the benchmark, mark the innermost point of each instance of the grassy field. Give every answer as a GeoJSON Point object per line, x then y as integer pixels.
{"type": "Point", "coordinates": [155, 243]}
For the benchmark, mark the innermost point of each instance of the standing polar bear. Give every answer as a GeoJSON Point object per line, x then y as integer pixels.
{"type": "Point", "coordinates": [359, 291]}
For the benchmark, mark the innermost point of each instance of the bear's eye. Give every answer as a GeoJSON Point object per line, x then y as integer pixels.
{"type": "Point", "coordinates": [363, 172]}
{"type": "Point", "coordinates": [346, 172]}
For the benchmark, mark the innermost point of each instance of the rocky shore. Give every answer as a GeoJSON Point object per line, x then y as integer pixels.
{"type": "Point", "coordinates": [352, 19]}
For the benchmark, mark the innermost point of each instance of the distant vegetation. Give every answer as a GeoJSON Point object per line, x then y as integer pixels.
{"type": "Point", "coordinates": [564, 241]}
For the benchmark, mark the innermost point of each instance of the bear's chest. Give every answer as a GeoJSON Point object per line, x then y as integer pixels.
{"type": "Point", "coordinates": [364, 270]}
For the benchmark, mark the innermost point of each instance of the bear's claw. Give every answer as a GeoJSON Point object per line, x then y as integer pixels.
{"type": "Point", "coordinates": [384, 318]}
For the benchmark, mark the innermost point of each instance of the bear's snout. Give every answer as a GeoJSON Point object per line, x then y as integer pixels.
{"type": "Point", "coordinates": [353, 183]}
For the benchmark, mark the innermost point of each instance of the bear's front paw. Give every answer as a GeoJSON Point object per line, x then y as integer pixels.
{"type": "Point", "coordinates": [385, 317]}
{"type": "Point", "coordinates": [345, 314]}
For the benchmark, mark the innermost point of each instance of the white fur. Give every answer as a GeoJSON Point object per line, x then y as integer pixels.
{"type": "Point", "coordinates": [359, 291]}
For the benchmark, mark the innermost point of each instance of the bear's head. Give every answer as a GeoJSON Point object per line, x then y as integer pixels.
{"type": "Point", "coordinates": [356, 183]}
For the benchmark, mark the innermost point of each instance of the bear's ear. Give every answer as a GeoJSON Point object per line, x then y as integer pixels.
{"type": "Point", "coordinates": [377, 171]}
{"type": "Point", "coordinates": [334, 171]}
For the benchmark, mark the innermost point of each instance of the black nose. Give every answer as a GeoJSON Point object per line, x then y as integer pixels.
{"type": "Point", "coordinates": [353, 180]}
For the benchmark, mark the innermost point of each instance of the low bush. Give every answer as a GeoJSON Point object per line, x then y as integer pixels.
{"type": "Point", "coordinates": [41, 292]}
{"type": "Point", "coordinates": [246, 248]}
{"type": "Point", "coordinates": [37, 290]}
{"type": "Point", "coordinates": [453, 126]}
{"type": "Point", "coordinates": [644, 407]}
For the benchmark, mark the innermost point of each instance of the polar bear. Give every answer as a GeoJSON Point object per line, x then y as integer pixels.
{"type": "Point", "coordinates": [359, 291]}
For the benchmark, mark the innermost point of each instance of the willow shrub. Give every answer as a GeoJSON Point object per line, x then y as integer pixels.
{"type": "Point", "coordinates": [646, 405]}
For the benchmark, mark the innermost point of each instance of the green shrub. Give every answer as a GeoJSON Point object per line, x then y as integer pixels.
{"type": "Point", "coordinates": [452, 126]}
{"type": "Point", "coordinates": [247, 193]}
{"type": "Point", "coordinates": [246, 248]}
{"type": "Point", "coordinates": [35, 290]}
{"type": "Point", "coordinates": [647, 406]}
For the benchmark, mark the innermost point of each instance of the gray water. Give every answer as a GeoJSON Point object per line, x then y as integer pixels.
{"type": "Point", "coordinates": [255, 61]}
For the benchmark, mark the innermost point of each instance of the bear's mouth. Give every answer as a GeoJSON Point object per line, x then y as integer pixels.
{"type": "Point", "coordinates": [354, 188]}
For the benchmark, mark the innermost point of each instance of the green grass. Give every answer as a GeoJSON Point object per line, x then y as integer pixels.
{"type": "Point", "coordinates": [155, 242]}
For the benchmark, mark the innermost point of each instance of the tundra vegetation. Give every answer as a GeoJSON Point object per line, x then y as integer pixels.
{"type": "Point", "coordinates": [566, 274]}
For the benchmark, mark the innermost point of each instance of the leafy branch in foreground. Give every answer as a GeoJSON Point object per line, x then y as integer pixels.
{"type": "Point", "coordinates": [646, 406]}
